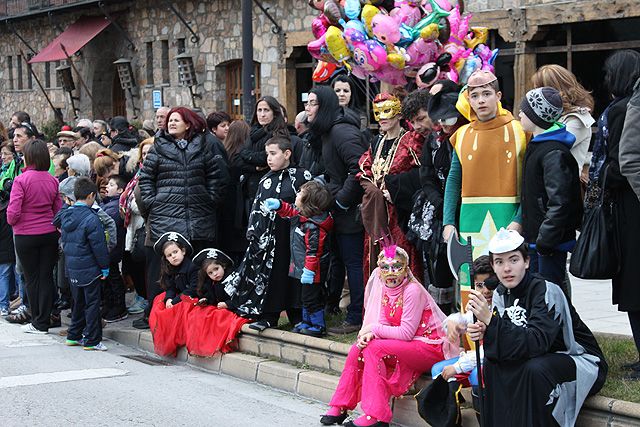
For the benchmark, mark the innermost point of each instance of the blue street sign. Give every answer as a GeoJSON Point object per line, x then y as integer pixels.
{"type": "Point", "coordinates": [157, 99]}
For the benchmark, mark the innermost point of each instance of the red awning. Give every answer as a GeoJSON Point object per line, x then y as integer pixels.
{"type": "Point", "coordinates": [73, 38]}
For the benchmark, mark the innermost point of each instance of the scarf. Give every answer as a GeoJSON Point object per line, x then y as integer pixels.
{"type": "Point", "coordinates": [127, 197]}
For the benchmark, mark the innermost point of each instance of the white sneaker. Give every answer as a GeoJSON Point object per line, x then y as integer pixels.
{"type": "Point", "coordinates": [30, 329]}
{"type": "Point", "coordinates": [4, 312]}
{"type": "Point", "coordinates": [97, 347]}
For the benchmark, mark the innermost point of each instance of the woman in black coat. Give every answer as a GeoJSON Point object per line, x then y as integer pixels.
{"type": "Point", "coordinates": [342, 144]}
{"type": "Point", "coordinates": [182, 184]}
{"type": "Point", "coordinates": [622, 69]}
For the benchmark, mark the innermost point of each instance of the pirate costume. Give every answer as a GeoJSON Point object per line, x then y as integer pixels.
{"type": "Point", "coordinates": [261, 286]}
{"type": "Point", "coordinates": [209, 329]}
{"type": "Point", "coordinates": [539, 355]}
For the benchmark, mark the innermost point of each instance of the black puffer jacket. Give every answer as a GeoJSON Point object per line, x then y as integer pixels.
{"type": "Point", "coordinates": [551, 201]}
{"type": "Point", "coordinates": [342, 148]}
{"type": "Point", "coordinates": [124, 142]}
{"type": "Point", "coordinates": [181, 189]}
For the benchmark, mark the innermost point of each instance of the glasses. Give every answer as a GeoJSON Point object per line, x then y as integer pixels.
{"type": "Point", "coordinates": [311, 104]}
{"type": "Point", "coordinates": [479, 285]}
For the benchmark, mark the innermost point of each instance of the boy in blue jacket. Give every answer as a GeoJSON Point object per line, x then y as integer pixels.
{"type": "Point", "coordinates": [113, 305]}
{"type": "Point", "coordinates": [87, 264]}
{"type": "Point", "coordinates": [550, 198]}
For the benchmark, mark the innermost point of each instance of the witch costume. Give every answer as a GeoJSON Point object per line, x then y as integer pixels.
{"type": "Point", "coordinates": [541, 360]}
{"type": "Point", "coordinates": [261, 283]}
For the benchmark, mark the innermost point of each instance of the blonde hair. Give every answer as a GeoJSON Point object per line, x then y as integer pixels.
{"type": "Point", "coordinates": [90, 149]}
{"type": "Point", "coordinates": [574, 95]}
{"type": "Point", "coordinates": [148, 141]}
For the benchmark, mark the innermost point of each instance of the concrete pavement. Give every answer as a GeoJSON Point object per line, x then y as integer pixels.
{"type": "Point", "coordinates": [592, 300]}
{"type": "Point", "coordinates": [45, 383]}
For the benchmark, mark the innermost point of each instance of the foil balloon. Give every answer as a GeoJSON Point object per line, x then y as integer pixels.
{"type": "Point", "coordinates": [434, 17]}
{"type": "Point", "coordinates": [368, 12]}
{"type": "Point", "coordinates": [317, 4]}
{"type": "Point", "coordinates": [337, 45]}
{"type": "Point", "coordinates": [332, 11]}
{"type": "Point", "coordinates": [355, 24]}
{"type": "Point", "coordinates": [421, 51]}
{"type": "Point", "coordinates": [367, 54]}
{"type": "Point", "coordinates": [324, 71]}
{"type": "Point", "coordinates": [318, 49]}
{"type": "Point", "coordinates": [430, 73]}
{"type": "Point", "coordinates": [319, 26]}
{"type": "Point", "coordinates": [405, 13]}
{"type": "Point", "coordinates": [476, 36]}
{"type": "Point", "coordinates": [472, 64]}
{"type": "Point", "coordinates": [352, 9]}
{"type": "Point", "coordinates": [391, 75]}
{"type": "Point", "coordinates": [444, 4]}
{"type": "Point", "coordinates": [385, 29]}
{"type": "Point", "coordinates": [487, 56]}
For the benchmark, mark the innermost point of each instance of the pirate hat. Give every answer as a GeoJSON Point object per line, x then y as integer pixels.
{"type": "Point", "coordinates": [172, 236]}
{"type": "Point", "coordinates": [212, 253]}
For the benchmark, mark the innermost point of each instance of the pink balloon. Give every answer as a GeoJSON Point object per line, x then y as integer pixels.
{"type": "Point", "coordinates": [319, 26]}
{"type": "Point", "coordinates": [406, 14]}
{"type": "Point", "coordinates": [318, 49]}
{"type": "Point", "coordinates": [422, 51]}
{"type": "Point", "coordinates": [367, 54]}
{"type": "Point", "coordinates": [391, 75]}
{"type": "Point", "coordinates": [385, 29]}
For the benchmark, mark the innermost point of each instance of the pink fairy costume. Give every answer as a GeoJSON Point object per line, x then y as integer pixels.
{"type": "Point", "coordinates": [408, 339]}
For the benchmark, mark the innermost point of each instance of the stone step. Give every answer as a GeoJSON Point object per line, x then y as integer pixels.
{"type": "Point", "coordinates": [310, 367]}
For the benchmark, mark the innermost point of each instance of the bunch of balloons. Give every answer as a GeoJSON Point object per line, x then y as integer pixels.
{"type": "Point", "coordinates": [396, 40]}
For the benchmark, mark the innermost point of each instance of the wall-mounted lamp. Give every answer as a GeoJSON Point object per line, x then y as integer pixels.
{"type": "Point", "coordinates": [63, 72]}
{"type": "Point", "coordinates": [127, 82]}
{"type": "Point", "coordinates": [187, 75]}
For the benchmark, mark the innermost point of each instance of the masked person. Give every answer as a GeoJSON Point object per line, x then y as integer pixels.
{"type": "Point", "coordinates": [401, 338]}
{"type": "Point", "coordinates": [390, 176]}
{"type": "Point", "coordinates": [538, 354]}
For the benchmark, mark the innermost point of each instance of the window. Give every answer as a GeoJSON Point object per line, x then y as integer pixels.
{"type": "Point", "coordinates": [58, 82]}
{"type": "Point", "coordinates": [149, 63]}
{"type": "Point", "coordinates": [47, 75]}
{"type": "Point", "coordinates": [29, 77]}
{"type": "Point", "coordinates": [19, 72]}
{"type": "Point", "coordinates": [181, 46]}
{"type": "Point", "coordinates": [166, 76]}
{"type": "Point", "coordinates": [234, 88]}
{"type": "Point", "coordinates": [10, 71]}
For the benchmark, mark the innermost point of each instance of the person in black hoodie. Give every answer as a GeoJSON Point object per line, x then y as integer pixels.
{"type": "Point", "coordinates": [123, 136]}
{"type": "Point", "coordinates": [114, 308]}
{"type": "Point", "coordinates": [337, 131]}
{"type": "Point", "coordinates": [550, 198]}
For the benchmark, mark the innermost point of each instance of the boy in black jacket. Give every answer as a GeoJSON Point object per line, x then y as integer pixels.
{"type": "Point", "coordinates": [114, 308]}
{"type": "Point", "coordinates": [551, 201]}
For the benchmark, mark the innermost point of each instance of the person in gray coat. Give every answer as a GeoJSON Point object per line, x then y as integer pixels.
{"type": "Point", "coordinates": [629, 151]}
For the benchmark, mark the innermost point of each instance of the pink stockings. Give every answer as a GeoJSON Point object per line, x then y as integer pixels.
{"type": "Point", "coordinates": [383, 369]}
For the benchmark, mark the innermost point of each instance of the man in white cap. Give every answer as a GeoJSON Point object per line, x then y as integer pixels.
{"type": "Point", "coordinates": [538, 354]}
{"type": "Point", "coordinates": [67, 138]}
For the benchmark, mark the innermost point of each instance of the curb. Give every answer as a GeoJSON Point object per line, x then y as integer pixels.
{"type": "Point", "coordinates": [255, 362]}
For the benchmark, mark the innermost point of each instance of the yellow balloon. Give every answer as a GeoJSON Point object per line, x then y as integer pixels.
{"type": "Point", "coordinates": [430, 32]}
{"type": "Point", "coordinates": [480, 35]}
{"type": "Point", "coordinates": [336, 44]}
{"type": "Point", "coordinates": [368, 12]}
{"type": "Point", "coordinates": [396, 60]}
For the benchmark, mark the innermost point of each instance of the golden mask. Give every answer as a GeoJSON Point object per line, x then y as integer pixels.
{"type": "Point", "coordinates": [386, 106]}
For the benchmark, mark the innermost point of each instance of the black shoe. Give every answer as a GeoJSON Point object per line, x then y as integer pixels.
{"type": "Point", "coordinates": [54, 321]}
{"type": "Point", "coordinates": [329, 420]}
{"type": "Point", "coordinates": [632, 376]}
{"type": "Point", "coordinates": [332, 310]}
{"type": "Point", "coordinates": [260, 325]}
{"type": "Point", "coordinates": [635, 366]}
{"type": "Point", "coordinates": [378, 424]}
{"type": "Point", "coordinates": [141, 323]}
{"type": "Point", "coordinates": [116, 315]}
{"type": "Point", "coordinates": [344, 328]}
{"type": "Point", "coordinates": [63, 305]}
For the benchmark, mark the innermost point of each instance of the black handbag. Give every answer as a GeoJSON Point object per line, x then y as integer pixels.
{"type": "Point", "coordinates": [138, 251]}
{"type": "Point", "coordinates": [439, 403]}
{"type": "Point", "coordinates": [597, 251]}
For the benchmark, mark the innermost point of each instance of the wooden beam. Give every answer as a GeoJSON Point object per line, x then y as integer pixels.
{"type": "Point", "coordinates": [524, 67]}
{"type": "Point", "coordinates": [299, 38]}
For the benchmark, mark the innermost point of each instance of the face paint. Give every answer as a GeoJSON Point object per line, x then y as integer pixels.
{"type": "Point", "coordinates": [393, 267]}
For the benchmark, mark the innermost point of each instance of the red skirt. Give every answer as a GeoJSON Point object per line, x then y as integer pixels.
{"type": "Point", "coordinates": [168, 324]}
{"type": "Point", "coordinates": [210, 330]}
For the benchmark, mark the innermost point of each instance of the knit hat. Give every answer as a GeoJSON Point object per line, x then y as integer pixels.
{"type": "Point", "coordinates": [67, 186]}
{"type": "Point", "coordinates": [543, 106]}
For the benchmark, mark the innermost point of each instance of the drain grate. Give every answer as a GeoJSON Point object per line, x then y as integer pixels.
{"type": "Point", "coordinates": [147, 360]}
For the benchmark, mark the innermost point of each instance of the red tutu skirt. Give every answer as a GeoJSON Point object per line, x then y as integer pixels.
{"type": "Point", "coordinates": [168, 324]}
{"type": "Point", "coordinates": [210, 330]}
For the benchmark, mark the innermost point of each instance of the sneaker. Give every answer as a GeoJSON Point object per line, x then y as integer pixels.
{"type": "Point", "coordinates": [344, 328]}
{"type": "Point", "coordinates": [138, 306]}
{"type": "Point", "coordinates": [112, 317]}
{"type": "Point", "coordinates": [97, 347]}
{"type": "Point", "coordinates": [30, 329]}
{"type": "Point", "coordinates": [141, 323]}
{"type": "Point", "coordinates": [74, 343]}
{"type": "Point", "coordinates": [15, 303]}
{"type": "Point", "coordinates": [20, 315]}
{"type": "Point", "coordinates": [260, 325]}
{"type": "Point", "coordinates": [4, 312]}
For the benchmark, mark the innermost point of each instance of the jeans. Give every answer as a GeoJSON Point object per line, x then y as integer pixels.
{"type": "Point", "coordinates": [6, 280]}
{"type": "Point", "coordinates": [85, 315]}
{"type": "Point", "coordinates": [552, 268]}
{"type": "Point", "coordinates": [351, 248]}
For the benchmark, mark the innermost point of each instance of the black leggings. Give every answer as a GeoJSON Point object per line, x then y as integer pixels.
{"type": "Point", "coordinates": [38, 255]}
{"type": "Point", "coordinates": [634, 321]}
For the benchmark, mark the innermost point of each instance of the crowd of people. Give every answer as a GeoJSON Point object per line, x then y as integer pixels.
{"type": "Point", "coordinates": [215, 223]}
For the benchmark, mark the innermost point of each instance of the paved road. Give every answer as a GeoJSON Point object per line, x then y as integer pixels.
{"type": "Point", "coordinates": [44, 383]}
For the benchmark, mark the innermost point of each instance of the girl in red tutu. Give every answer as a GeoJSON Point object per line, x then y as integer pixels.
{"type": "Point", "coordinates": [178, 278]}
{"type": "Point", "coordinates": [210, 327]}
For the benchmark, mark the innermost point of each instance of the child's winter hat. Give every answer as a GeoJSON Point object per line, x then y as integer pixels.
{"type": "Point", "coordinates": [67, 186]}
{"type": "Point", "coordinates": [215, 254]}
{"type": "Point", "coordinates": [172, 236]}
{"type": "Point", "coordinates": [543, 106]}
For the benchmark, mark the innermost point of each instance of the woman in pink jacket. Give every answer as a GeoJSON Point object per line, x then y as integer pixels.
{"type": "Point", "coordinates": [34, 201]}
{"type": "Point", "coordinates": [401, 337]}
